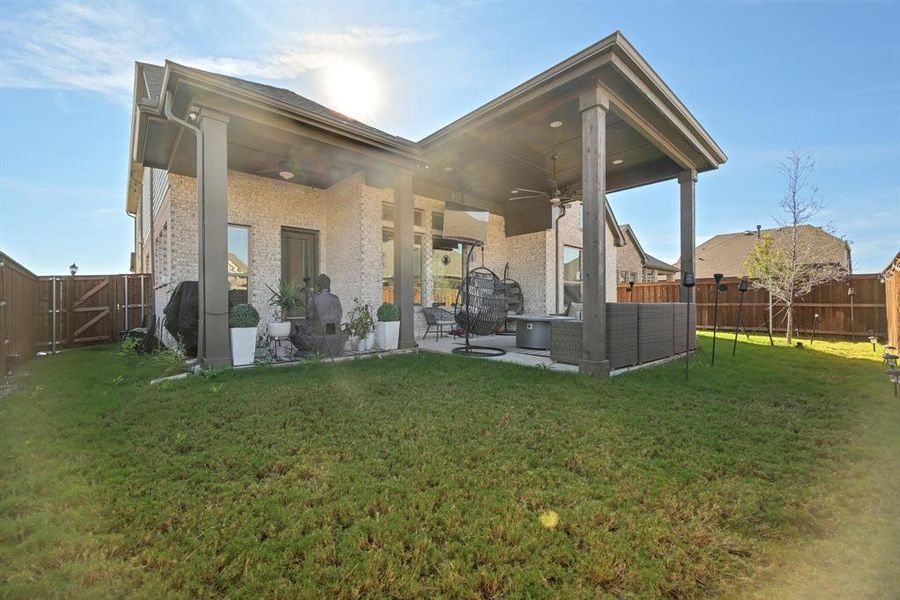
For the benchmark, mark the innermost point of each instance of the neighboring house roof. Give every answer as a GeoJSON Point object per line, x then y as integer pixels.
{"type": "Point", "coordinates": [153, 76]}
{"type": "Point", "coordinates": [726, 253]}
{"type": "Point", "coordinates": [892, 269]}
{"type": "Point", "coordinates": [646, 259]}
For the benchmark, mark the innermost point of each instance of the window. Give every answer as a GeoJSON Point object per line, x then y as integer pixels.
{"type": "Point", "coordinates": [571, 274]}
{"type": "Point", "coordinates": [448, 266]}
{"type": "Point", "coordinates": [622, 276]}
{"type": "Point", "coordinates": [387, 266]}
{"type": "Point", "coordinates": [238, 264]}
{"type": "Point", "coordinates": [387, 215]}
{"type": "Point", "coordinates": [649, 275]}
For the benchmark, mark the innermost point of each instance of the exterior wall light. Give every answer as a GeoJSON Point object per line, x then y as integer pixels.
{"type": "Point", "coordinates": [73, 268]}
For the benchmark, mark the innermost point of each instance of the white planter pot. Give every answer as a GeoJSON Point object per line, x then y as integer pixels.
{"type": "Point", "coordinates": [388, 334]}
{"type": "Point", "coordinates": [243, 345]}
{"type": "Point", "coordinates": [361, 344]}
{"type": "Point", "coordinates": [370, 341]}
{"type": "Point", "coordinates": [281, 329]}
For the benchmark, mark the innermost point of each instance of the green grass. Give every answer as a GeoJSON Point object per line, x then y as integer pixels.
{"type": "Point", "coordinates": [775, 473]}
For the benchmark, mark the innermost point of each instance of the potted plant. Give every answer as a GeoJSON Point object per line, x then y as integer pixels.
{"type": "Point", "coordinates": [243, 319]}
{"type": "Point", "coordinates": [388, 326]}
{"type": "Point", "coordinates": [360, 325]}
{"type": "Point", "coordinates": [285, 298]}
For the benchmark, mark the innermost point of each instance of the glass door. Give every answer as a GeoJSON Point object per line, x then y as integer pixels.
{"type": "Point", "coordinates": [299, 259]}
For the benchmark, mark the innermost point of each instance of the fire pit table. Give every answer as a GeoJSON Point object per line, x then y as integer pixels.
{"type": "Point", "coordinates": [533, 331]}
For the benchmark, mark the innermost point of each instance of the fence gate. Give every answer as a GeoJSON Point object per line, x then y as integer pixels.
{"type": "Point", "coordinates": [89, 309]}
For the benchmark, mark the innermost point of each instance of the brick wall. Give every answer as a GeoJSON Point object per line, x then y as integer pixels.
{"type": "Point", "coordinates": [348, 218]}
{"type": "Point", "coordinates": [628, 259]}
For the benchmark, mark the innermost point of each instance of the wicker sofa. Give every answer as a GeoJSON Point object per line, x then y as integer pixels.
{"type": "Point", "coordinates": [636, 333]}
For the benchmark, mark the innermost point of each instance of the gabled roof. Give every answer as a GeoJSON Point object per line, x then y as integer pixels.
{"type": "Point", "coordinates": [154, 76]}
{"type": "Point", "coordinates": [647, 259]}
{"type": "Point", "coordinates": [726, 253]}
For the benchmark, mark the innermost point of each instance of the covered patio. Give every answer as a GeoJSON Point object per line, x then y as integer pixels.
{"type": "Point", "coordinates": [599, 122]}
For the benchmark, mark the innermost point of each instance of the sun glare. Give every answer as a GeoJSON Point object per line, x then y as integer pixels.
{"type": "Point", "coordinates": [352, 90]}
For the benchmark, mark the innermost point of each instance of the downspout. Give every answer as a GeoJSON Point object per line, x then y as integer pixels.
{"type": "Point", "coordinates": [562, 213]}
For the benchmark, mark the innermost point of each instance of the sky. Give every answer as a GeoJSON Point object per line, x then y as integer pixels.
{"type": "Point", "coordinates": [762, 77]}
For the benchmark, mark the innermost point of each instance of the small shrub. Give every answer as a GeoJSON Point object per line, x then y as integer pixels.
{"type": "Point", "coordinates": [128, 348]}
{"type": "Point", "coordinates": [168, 361]}
{"type": "Point", "coordinates": [243, 315]}
{"type": "Point", "coordinates": [388, 312]}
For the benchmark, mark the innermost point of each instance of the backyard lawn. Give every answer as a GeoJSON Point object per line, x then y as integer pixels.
{"type": "Point", "coordinates": [775, 474]}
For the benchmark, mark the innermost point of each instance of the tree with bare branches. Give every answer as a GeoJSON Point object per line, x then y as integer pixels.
{"type": "Point", "coordinates": [792, 268]}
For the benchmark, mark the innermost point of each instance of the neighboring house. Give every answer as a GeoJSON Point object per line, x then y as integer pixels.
{"type": "Point", "coordinates": [222, 167]}
{"type": "Point", "coordinates": [726, 253]}
{"type": "Point", "coordinates": [634, 264]}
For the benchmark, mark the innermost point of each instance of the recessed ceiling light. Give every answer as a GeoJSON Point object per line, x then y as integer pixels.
{"type": "Point", "coordinates": [513, 191]}
{"type": "Point", "coordinates": [286, 174]}
{"type": "Point", "coordinates": [448, 169]}
{"type": "Point", "coordinates": [555, 124]}
{"type": "Point", "coordinates": [618, 161]}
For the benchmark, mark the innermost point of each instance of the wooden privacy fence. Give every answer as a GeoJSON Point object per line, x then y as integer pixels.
{"type": "Point", "coordinates": [45, 314]}
{"type": "Point", "coordinates": [840, 314]}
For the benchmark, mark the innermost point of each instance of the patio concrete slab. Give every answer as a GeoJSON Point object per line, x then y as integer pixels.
{"type": "Point", "coordinates": [521, 356]}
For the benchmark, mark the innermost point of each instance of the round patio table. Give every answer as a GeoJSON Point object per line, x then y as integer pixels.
{"type": "Point", "coordinates": [533, 331]}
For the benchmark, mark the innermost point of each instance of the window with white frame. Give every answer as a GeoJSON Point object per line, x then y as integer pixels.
{"type": "Point", "coordinates": [238, 264]}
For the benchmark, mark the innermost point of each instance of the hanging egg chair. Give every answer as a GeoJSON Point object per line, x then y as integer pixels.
{"type": "Point", "coordinates": [482, 302]}
{"type": "Point", "coordinates": [515, 299]}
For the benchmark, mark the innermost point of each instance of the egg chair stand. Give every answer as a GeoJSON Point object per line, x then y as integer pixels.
{"type": "Point", "coordinates": [482, 310]}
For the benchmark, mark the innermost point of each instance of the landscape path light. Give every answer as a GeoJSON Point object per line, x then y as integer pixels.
{"type": "Point", "coordinates": [687, 280]}
{"type": "Point", "coordinates": [720, 287]}
{"type": "Point", "coordinates": [742, 288]}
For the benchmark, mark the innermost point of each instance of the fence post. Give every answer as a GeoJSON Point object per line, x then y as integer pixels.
{"type": "Point", "coordinates": [70, 313]}
{"type": "Point", "coordinates": [113, 308]}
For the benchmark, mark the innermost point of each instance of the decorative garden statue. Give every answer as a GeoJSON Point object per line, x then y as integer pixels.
{"type": "Point", "coordinates": [321, 330]}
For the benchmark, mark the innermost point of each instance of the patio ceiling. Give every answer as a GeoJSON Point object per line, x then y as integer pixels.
{"type": "Point", "coordinates": [509, 142]}
{"type": "Point", "coordinates": [505, 144]}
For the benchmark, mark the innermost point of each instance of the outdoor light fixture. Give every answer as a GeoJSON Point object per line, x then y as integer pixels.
{"type": "Point", "coordinates": [894, 376]}
{"type": "Point", "coordinates": [618, 161]}
{"type": "Point", "coordinates": [687, 280]}
{"type": "Point", "coordinates": [73, 268]}
{"type": "Point", "coordinates": [873, 340]}
{"type": "Point", "coordinates": [720, 287]}
{"type": "Point", "coordinates": [742, 288]}
{"type": "Point", "coordinates": [286, 175]}
{"type": "Point", "coordinates": [555, 124]}
{"type": "Point", "coordinates": [448, 169]}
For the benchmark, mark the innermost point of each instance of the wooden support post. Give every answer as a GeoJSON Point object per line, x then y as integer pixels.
{"type": "Point", "coordinates": [594, 105]}
{"type": "Point", "coordinates": [213, 343]}
{"type": "Point", "coordinates": [404, 240]}
{"type": "Point", "coordinates": [687, 182]}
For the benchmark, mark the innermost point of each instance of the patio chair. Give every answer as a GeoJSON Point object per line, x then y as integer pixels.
{"type": "Point", "coordinates": [437, 318]}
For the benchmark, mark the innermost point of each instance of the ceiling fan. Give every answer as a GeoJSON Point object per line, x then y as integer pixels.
{"type": "Point", "coordinates": [555, 195]}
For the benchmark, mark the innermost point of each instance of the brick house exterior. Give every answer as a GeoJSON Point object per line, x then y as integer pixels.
{"type": "Point", "coordinates": [348, 220]}
{"type": "Point", "coordinates": [634, 264]}
{"type": "Point", "coordinates": [235, 183]}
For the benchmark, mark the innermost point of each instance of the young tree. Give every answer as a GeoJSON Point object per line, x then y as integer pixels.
{"type": "Point", "coordinates": [793, 265]}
